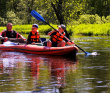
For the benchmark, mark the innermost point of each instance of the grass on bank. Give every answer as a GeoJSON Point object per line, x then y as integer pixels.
{"type": "Point", "coordinates": [25, 29]}
{"type": "Point", "coordinates": [82, 29]}
{"type": "Point", "coordinates": [90, 29]}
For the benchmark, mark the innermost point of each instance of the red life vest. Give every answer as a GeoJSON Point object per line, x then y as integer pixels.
{"type": "Point", "coordinates": [57, 37]}
{"type": "Point", "coordinates": [35, 37]}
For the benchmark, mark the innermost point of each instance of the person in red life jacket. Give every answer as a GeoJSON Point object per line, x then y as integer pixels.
{"type": "Point", "coordinates": [58, 40]}
{"type": "Point", "coordinates": [34, 36]}
{"type": "Point", "coordinates": [9, 33]}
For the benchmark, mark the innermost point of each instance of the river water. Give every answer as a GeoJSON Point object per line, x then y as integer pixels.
{"type": "Point", "coordinates": [29, 73]}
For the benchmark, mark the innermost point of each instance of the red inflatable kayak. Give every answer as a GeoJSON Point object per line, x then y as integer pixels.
{"type": "Point", "coordinates": [35, 49]}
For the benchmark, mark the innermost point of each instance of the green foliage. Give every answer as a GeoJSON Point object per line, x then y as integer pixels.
{"type": "Point", "coordinates": [18, 11]}
{"type": "Point", "coordinates": [100, 7]}
{"type": "Point", "coordinates": [44, 29]}
{"type": "Point", "coordinates": [2, 28]}
{"type": "Point", "coordinates": [81, 29]}
{"type": "Point", "coordinates": [108, 19]}
{"type": "Point", "coordinates": [91, 29]}
{"type": "Point", "coordinates": [89, 19]}
{"type": "Point", "coordinates": [104, 19]}
{"type": "Point", "coordinates": [3, 21]}
{"type": "Point", "coordinates": [11, 17]}
{"type": "Point", "coordinates": [25, 29]}
{"type": "Point", "coordinates": [67, 10]}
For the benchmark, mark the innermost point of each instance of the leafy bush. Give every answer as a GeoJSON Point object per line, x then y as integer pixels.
{"type": "Point", "coordinates": [108, 19]}
{"type": "Point", "coordinates": [11, 17]}
{"type": "Point", "coordinates": [89, 19]}
{"type": "Point", "coordinates": [98, 19]}
{"type": "Point", "coordinates": [3, 22]}
{"type": "Point", "coordinates": [104, 19]}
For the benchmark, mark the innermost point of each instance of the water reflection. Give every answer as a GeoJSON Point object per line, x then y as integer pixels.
{"type": "Point", "coordinates": [49, 72]}
{"type": "Point", "coordinates": [25, 72]}
{"type": "Point", "coordinates": [59, 67]}
{"type": "Point", "coordinates": [9, 61]}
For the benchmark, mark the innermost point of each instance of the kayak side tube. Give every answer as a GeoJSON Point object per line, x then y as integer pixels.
{"type": "Point", "coordinates": [43, 50]}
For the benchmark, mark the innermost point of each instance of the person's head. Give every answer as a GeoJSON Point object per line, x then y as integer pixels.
{"type": "Point", "coordinates": [34, 27]}
{"type": "Point", "coordinates": [9, 26]}
{"type": "Point", "coordinates": [62, 28]}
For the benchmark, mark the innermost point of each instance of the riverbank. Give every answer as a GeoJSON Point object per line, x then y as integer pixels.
{"type": "Point", "coordinates": [91, 29]}
{"type": "Point", "coordinates": [82, 29]}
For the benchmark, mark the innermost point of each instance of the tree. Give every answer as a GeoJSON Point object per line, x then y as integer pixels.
{"type": "Point", "coordinates": [54, 11]}
{"type": "Point", "coordinates": [100, 7]}
{"type": "Point", "coordinates": [58, 10]}
{"type": "Point", "coordinates": [64, 10]}
{"type": "Point", "coordinates": [3, 8]}
{"type": "Point", "coordinates": [24, 9]}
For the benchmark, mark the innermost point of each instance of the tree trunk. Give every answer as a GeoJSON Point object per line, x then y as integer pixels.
{"type": "Point", "coordinates": [58, 11]}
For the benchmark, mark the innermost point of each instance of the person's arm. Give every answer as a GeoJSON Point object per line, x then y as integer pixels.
{"type": "Point", "coordinates": [2, 33]}
{"type": "Point", "coordinates": [3, 39]}
{"type": "Point", "coordinates": [20, 36]}
{"type": "Point", "coordinates": [51, 32]}
{"type": "Point", "coordinates": [69, 42]}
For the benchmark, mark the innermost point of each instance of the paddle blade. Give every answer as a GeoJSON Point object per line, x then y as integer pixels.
{"type": "Point", "coordinates": [87, 53]}
{"type": "Point", "coordinates": [37, 16]}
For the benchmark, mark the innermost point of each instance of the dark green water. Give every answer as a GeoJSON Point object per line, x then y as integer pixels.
{"type": "Point", "coordinates": [27, 73]}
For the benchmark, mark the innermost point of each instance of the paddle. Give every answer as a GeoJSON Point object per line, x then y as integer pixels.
{"type": "Point", "coordinates": [40, 18]}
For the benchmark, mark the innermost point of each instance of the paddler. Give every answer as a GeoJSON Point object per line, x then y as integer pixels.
{"type": "Point", "coordinates": [57, 39]}
{"type": "Point", "coordinates": [9, 33]}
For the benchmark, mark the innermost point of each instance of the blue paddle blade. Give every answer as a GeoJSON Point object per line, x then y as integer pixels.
{"type": "Point", "coordinates": [37, 16]}
{"type": "Point", "coordinates": [87, 53]}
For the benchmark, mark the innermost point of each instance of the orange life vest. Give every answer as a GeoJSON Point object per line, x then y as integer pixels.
{"type": "Point", "coordinates": [57, 37]}
{"type": "Point", "coordinates": [35, 37]}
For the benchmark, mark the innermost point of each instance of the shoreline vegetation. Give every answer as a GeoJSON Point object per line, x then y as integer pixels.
{"type": "Point", "coordinates": [81, 29]}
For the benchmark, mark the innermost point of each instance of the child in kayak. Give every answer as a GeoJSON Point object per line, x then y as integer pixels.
{"type": "Point", "coordinates": [57, 37]}
{"type": "Point", "coordinates": [34, 36]}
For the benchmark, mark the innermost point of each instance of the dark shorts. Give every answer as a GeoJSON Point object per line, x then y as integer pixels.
{"type": "Point", "coordinates": [54, 44]}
